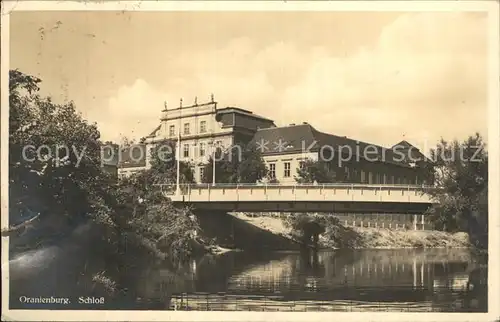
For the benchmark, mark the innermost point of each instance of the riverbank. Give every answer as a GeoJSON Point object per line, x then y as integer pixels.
{"type": "Point", "coordinates": [381, 238]}
{"type": "Point", "coordinates": [364, 237]}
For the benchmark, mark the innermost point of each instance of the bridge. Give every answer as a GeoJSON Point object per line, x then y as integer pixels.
{"type": "Point", "coordinates": [336, 198]}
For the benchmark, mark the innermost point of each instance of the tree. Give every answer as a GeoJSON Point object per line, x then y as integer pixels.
{"type": "Point", "coordinates": [164, 165]}
{"type": "Point", "coordinates": [306, 226]}
{"type": "Point", "coordinates": [57, 182]}
{"type": "Point", "coordinates": [126, 142]}
{"type": "Point", "coordinates": [151, 219]}
{"type": "Point", "coordinates": [237, 165]}
{"type": "Point", "coordinates": [252, 168]}
{"type": "Point", "coordinates": [315, 172]}
{"type": "Point", "coordinates": [225, 170]}
{"type": "Point", "coordinates": [461, 179]}
{"type": "Point", "coordinates": [55, 171]}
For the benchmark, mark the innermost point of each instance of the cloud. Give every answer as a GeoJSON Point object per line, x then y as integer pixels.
{"type": "Point", "coordinates": [426, 75]}
{"type": "Point", "coordinates": [424, 78]}
{"type": "Point", "coordinates": [133, 111]}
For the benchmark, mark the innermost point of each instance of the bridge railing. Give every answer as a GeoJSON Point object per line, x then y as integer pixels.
{"type": "Point", "coordinates": [169, 189]}
{"type": "Point", "coordinates": [337, 192]}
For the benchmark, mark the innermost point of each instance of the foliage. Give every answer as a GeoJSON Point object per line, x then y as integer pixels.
{"type": "Point", "coordinates": [126, 142]}
{"type": "Point", "coordinates": [305, 225]}
{"type": "Point", "coordinates": [315, 172]}
{"type": "Point", "coordinates": [240, 164]}
{"type": "Point", "coordinates": [153, 221]}
{"type": "Point", "coordinates": [54, 161]}
{"type": "Point", "coordinates": [272, 180]}
{"type": "Point", "coordinates": [461, 176]}
{"type": "Point", "coordinates": [64, 185]}
{"type": "Point", "coordinates": [164, 166]}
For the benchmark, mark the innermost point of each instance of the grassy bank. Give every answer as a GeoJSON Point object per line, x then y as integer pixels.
{"type": "Point", "coordinates": [340, 236]}
{"type": "Point", "coordinates": [377, 238]}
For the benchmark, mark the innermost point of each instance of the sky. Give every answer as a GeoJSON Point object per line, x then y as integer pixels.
{"type": "Point", "coordinates": [378, 77]}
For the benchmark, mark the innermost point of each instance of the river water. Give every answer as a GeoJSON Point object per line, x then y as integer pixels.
{"type": "Point", "coordinates": [342, 280]}
{"type": "Point", "coordinates": [354, 280]}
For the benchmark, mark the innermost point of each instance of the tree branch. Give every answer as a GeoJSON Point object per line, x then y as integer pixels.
{"type": "Point", "coordinates": [9, 231]}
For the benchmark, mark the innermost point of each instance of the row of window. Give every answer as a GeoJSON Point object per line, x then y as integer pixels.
{"type": "Point", "coordinates": [201, 149]}
{"type": "Point", "coordinates": [286, 170]}
{"type": "Point", "coordinates": [377, 178]}
{"type": "Point", "coordinates": [187, 128]}
{"type": "Point", "coordinates": [354, 174]}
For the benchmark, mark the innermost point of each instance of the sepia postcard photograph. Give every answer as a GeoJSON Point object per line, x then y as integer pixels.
{"type": "Point", "coordinates": [250, 161]}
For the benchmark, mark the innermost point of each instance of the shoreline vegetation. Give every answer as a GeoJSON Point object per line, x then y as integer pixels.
{"type": "Point", "coordinates": [337, 236]}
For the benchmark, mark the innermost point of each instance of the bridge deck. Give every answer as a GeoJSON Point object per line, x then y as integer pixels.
{"type": "Point", "coordinates": [300, 193]}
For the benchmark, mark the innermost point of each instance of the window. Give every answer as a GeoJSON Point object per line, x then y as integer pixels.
{"type": "Point", "coordinates": [362, 176]}
{"type": "Point", "coordinates": [202, 149]}
{"type": "Point", "coordinates": [370, 177]}
{"type": "Point", "coordinates": [287, 170]}
{"type": "Point", "coordinates": [186, 150]}
{"type": "Point", "coordinates": [203, 126]}
{"type": "Point", "coordinates": [272, 170]}
{"type": "Point", "coordinates": [385, 179]}
{"type": "Point", "coordinates": [186, 128]}
{"type": "Point", "coordinates": [171, 130]}
{"type": "Point", "coordinates": [202, 173]}
{"type": "Point", "coordinates": [218, 149]}
{"type": "Point", "coordinates": [347, 173]}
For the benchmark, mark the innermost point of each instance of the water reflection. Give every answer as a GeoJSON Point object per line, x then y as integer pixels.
{"type": "Point", "coordinates": [433, 280]}
{"type": "Point", "coordinates": [385, 280]}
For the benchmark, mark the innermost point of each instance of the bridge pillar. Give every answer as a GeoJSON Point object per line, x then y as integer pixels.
{"type": "Point", "coordinates": [422, 274]}
{"type": "Point", "coordinates": [414, 222]}
{"type": "Point", "coordinates": [414, 271]}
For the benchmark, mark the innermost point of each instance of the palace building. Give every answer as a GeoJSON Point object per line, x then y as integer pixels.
{"type": "Point", "coordinates": [285, 149]}
{"type": "Point", "coordinates": [205, 127]}
{"type": "Point", "coordinates": [202, 128]}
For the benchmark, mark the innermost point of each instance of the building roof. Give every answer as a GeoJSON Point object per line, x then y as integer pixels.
{"type": "Point", "coordinates": [231, 109]}
{"type": "Point", "coordinates": [133, 156]}
{"type": "Point", "coordinates": [411, 152]}
{"type": "Point", "coordinates": [241, 120]}
{"type": "Point", "coordinates": [297, 139]}
{"type": "Point", "coordinates": [154, 132]}
{"type": "Point", "coordinates": [304, 137]}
